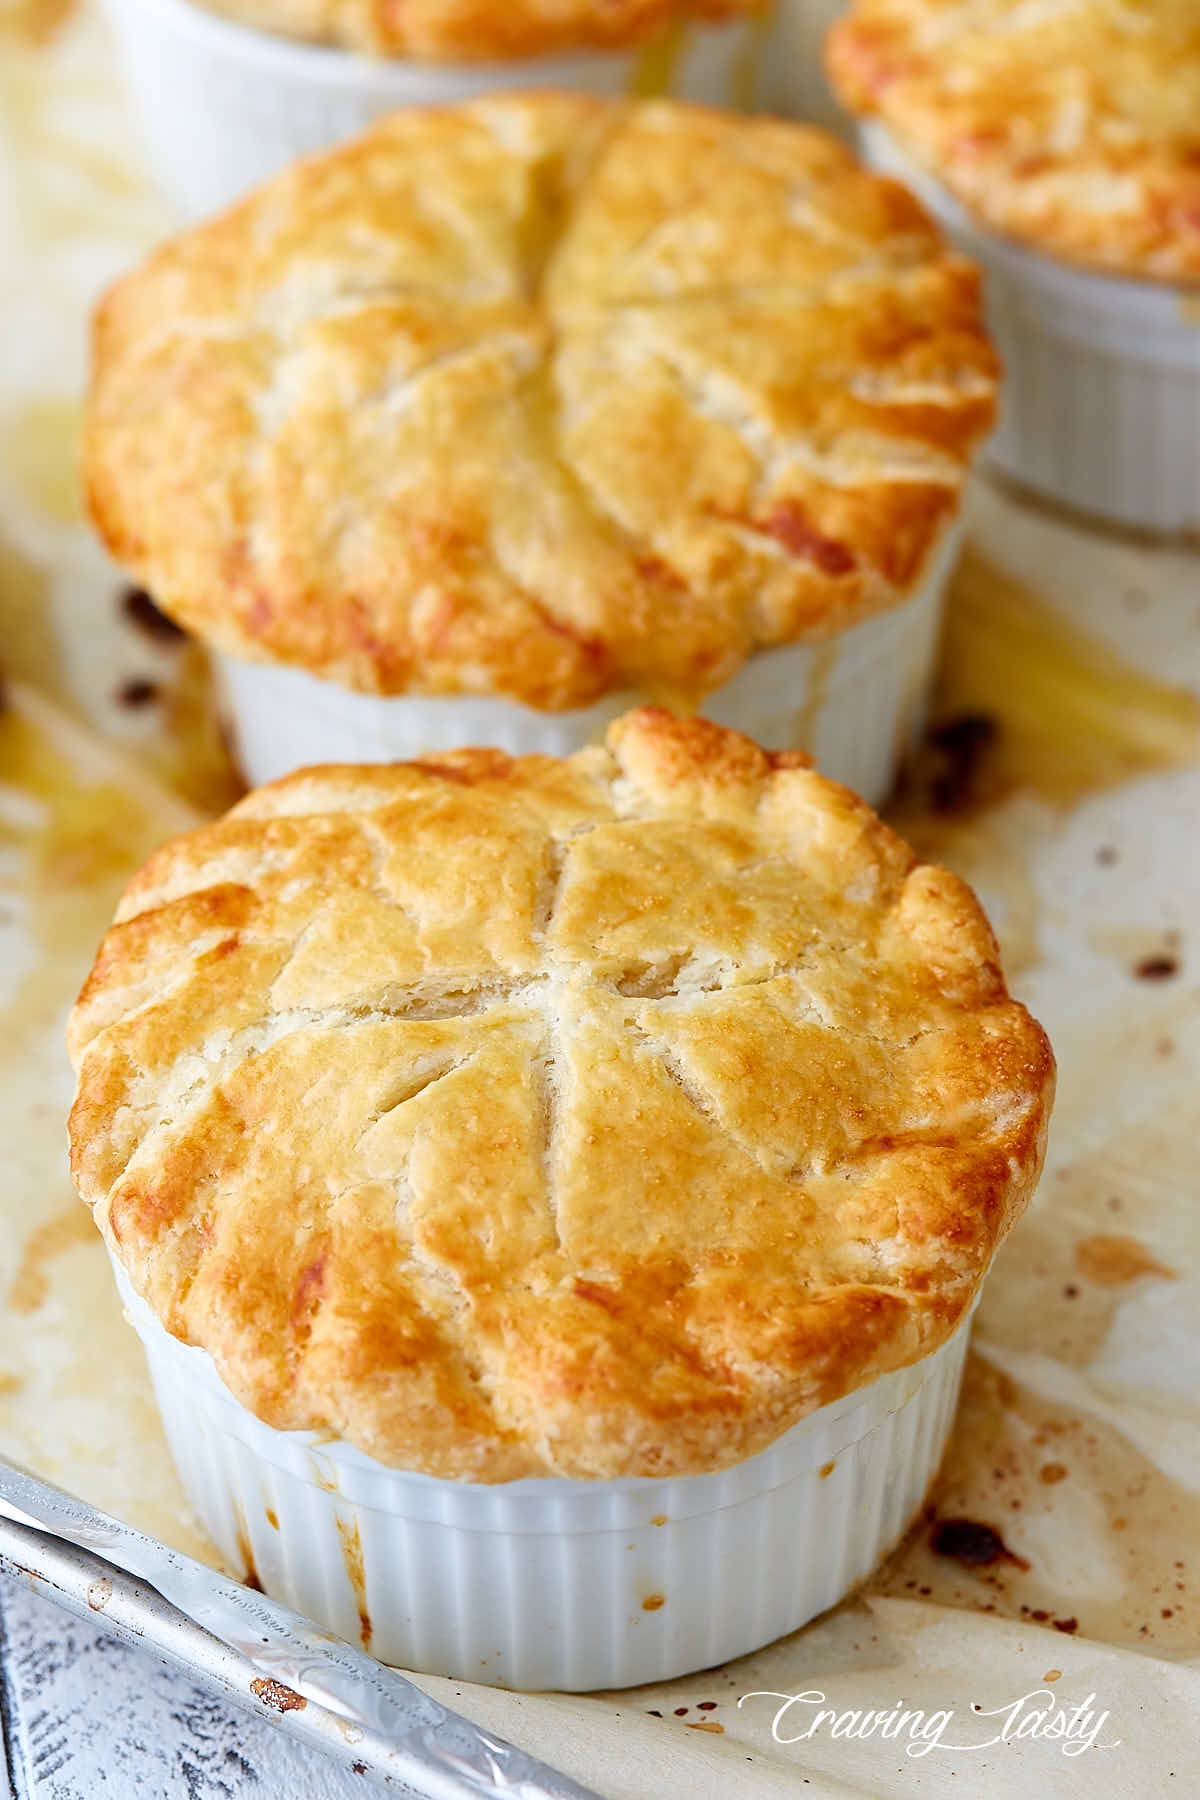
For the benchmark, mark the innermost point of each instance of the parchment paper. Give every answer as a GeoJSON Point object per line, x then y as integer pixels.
{"type": "Point", "coordinates": [1062, 777]}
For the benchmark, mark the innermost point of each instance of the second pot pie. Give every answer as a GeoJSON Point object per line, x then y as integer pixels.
{"type": "Point", "coordinates": [643, 1124]}
{"type": "Point", "coordinates": [541, 403]}
{"type": "Point", "coordinates": [1072, 125]}
{"type": "Point", "coordinates": [1059, 145]}
{"type": "Point", "coordinates": [231, 91]}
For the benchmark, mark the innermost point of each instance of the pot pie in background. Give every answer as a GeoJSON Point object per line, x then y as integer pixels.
{"type": "Point", "coordinates": [230, 91]}
{"type": "Point", "coordinates": [504, 414]}
{"type": "Point", "coordinates": [552, 1195]}
{"type": "Point", "coordinates": [1060, 145]}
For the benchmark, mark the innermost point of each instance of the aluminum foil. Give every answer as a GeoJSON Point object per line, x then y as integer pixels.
{"type": "Point", "coordinates": [388, 1724]}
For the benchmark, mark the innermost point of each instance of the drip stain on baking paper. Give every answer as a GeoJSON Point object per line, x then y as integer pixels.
{"type": "Point", "coordinates": [1031, 715]}
{"type": "Point", "coordinates": [137, 692]}
{"type": "Point", "coordinates": [24, 603]}
{"type": "Point", "coordinates": [1004, 1436]}
{"type": "Point", "coordinates": [1027, 700]}
{"type": "Point", "coordinates": [38, 456]}
{"type": "Point", "coordinates": [1109, 1259]}
{"type": "Point", "coordinates": [139, 609]}
{"type": "Point", "coordinates": [1159, 966]}
{"type": "Point", "coordinates": [31, 1284]}
{"type": "Point", "coordinates": [90, 833]}
{"type": "Point", "coordinates": [35, 22]}
{"type": "Point", "coordinates": [352, 1559]}
{"type": "Point", "coordinates": [973, 1543]}
{"type": "Point", "coordinates": [74, 1386]}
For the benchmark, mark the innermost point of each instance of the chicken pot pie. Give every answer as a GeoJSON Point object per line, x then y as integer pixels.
{"type": "Point", "coordinates": [532, 1178]}
{"type": "Point", "coordinates": [1059, 145]}
{"type": "Point", "coordinates": [1071, 125]}
{"type": "Point", "coordinates": [545, 400]}
{"type": "Point", "coordinates": [590, 1118]}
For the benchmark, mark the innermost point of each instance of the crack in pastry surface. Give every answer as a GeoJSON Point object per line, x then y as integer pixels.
{"type": "Point", "coordinates": [497, 399]}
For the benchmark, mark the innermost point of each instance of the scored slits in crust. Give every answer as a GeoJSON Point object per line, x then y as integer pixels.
{"type": "Point", "coordinates": [1071, 124]}
{"type": "Point", "coordinates": [591, 1118]}
{"type": "Point", "coordinates": [546, 397]}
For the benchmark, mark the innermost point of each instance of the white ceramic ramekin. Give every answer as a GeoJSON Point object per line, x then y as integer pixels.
{"type": "Point", "coordinates": [1100, 408]}
{"type": "Point", "coordinates": [555, 1583]}
{"type": "Point", "coordinates": [855, 701]}
{"type": "Point", "coordinates": [793, 77]}
{"type": "Point", "coordinates": [223, 105]}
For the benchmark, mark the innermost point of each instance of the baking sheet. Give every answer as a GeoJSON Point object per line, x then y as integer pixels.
{"type": "Point", "coordinates": [1063, 779]}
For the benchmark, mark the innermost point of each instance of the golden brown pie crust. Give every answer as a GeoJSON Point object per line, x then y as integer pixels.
{"type": "Point", "coordinates": [1071, 124]}
{"type": "Point", "coordinates": [598, 1117]}
{"type": "Point", "coordinates": [547, 397]}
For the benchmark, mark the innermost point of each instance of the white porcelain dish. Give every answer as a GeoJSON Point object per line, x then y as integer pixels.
{"type": "Point", "coordinates": [223, 106]}
{"type": "Point", "coordinates": [855, 701]}
{"type": "Point", "coordinates": [793, 79]}
{"type": "Point", "coordinates": [554, 1583]}
{"type": "Point", "coordinates": [1100, 409]}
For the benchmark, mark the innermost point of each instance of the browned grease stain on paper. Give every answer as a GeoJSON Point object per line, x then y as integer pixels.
{"type": "Point", "coordinates": [1026, 700]}
{"type": "Point", "coordinates": [1149, 1525]}
{"type": "Point", "coordinates": [1027, 704]}
{"type": "Point", "coordinates": [972, 1543]}
{"type": "Point", "coordinates": [195, 762]}
{"type": "Point", "coordinates": [31, 1284]}
{"type": "Point", "coordinates": [1038, 1290]}
{"type": "Point", "coordinates": [36, 22]}
{"type": "Point", "coordinates": [39, 456]}
{"type": "Point", "coordinates": [1109, 1260]}
{"type": "Point", "coordinates": [139, 610]}
{"type": "Point", "coordinates": [24, 608]}
{"type": "Point", "coordinates": [89, 837]}
{"type": "Point", "coordinates": [1042, 1470]}
{"type": "Point", "coordinates": [1075, 718]}
{"type": "Point", "coordinates": [1157, 967]}
{"type": "Point", "coordinates": [187, 754]}
{"type": "Point", "coordinates": [76, 1404]}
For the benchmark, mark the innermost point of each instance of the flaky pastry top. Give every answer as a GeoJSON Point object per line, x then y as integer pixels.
{"type": "Point", "coordinates": [545, 396]}
{"type": "Point", "coordinates": [597, 1117]}
{"type": "Point", "coordinates": [479, 30]}
{"type": "Point", "coordinates": [1071, 124]}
